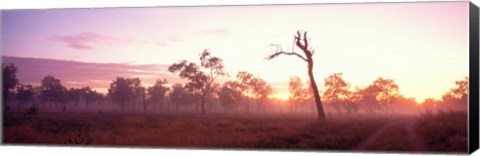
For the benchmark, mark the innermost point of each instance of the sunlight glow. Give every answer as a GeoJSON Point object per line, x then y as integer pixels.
{"type": "Point", "coordinates": [422, 46]}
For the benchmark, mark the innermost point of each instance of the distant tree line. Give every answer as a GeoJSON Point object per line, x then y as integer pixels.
{"type": "Point", "coordinates": [381, 96]}
{"type": "Point", "coordinates": [246, 93]}
{"type": "Point", "coordinates": [129, 94]}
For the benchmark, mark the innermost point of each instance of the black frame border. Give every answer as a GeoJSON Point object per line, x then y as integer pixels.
{"type": "Point", "coordinates": [474, 78]}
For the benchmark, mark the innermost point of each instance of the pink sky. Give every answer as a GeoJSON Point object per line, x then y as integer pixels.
{"type": "Point", "coordinates": [422, 46]}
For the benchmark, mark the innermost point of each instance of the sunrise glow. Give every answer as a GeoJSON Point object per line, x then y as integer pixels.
{"type": "Point", "coordinates": [422, 46]}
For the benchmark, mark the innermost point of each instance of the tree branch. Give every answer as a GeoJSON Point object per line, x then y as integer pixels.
{"type": "Point", "coordinates": [286, 53]}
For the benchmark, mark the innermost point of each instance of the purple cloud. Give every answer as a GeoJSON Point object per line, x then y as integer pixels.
{"type": "Point", "coordinates": [84, 41]}
{"type": "Point", "coordinates": [80, 74]}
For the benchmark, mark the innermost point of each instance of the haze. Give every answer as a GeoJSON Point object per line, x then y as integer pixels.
{"type": "Point", "coordinates": [422, 46]}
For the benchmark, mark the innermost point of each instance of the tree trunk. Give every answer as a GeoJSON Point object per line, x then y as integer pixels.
{"type": "Point", "coordinates": [203, 104]}
{"type": "Point", "coordinates": [316, 94]}
{"type": "Point", "coordinates": [204, 96]}
{"type": "Point", "coordinates": [258, 107]}
{"type": "Point", "coordinates": [143, 100]}
{"type": "Point", "coordinates": [196, 106]}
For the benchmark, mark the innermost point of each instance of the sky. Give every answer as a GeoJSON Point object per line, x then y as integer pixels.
{"type": "Point", "coordinates": [422, 46]}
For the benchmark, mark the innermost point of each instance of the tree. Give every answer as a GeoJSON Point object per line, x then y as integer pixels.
{"type": "Point", "coordinates": [297, 95]}
{"type": "Point", "coordinates": [201, 77]}
{"type": "Point", "coordinates": [53, 92]}
{"type": "Point", "coordinates": [388, 91]}
{"type": "Point", "coordinates": [457, 97]}
{"type": "Point", "coordinates": [404, 104]}
{"type": "Point", "coordinates": [302, 43]}
{"type": "Point", "coordinates": [120, 91]}
{"type": "Point", "coordinates": [212, 98]}
{"type": "Point", "coordinates": [430, 104]}
{"type": "Point", "coordinates": [181, 96]}
{"type": "Point", "coordinates": [91, 96]}
{"type": "Point", "coordinates": [246, 81]}
{"type": "Point", "coordinates": [9, 81]}
{"type": "Point", "coordinates": [25, 93]}
{"type": "Point", "coordinates": [157, 92]}
{"type": "Point", "coordinates": [230, 95]}
{"type": "Point", "coordinates": [337, 92]}
{"type": "Point", "coordinates": [368, 98]}
{"type": "Point", "coordinates": [75, 95]}
{"type": "Point", "coordinates": [352, 101]}
{"type": "Point", "coordinates": [461, 90]}
{"type": "Point", "coordinates": [137, 90]}
{"type": "Point", "coordinates": [261, 91]}
{"type": "Point", "coordinates": [253, 89]}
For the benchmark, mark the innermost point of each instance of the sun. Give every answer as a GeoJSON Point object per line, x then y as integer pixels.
{"type": "Point", "coordinates": [281, 96]}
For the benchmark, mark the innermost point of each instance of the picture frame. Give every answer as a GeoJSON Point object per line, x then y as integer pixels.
{"type": "Point", "coordinates": [472, 68]}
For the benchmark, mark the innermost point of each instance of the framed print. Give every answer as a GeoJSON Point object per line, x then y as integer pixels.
{"type": "Point", "coordinates": [357, 77]}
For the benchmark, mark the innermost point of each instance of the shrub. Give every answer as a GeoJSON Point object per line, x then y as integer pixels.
{"type": "Point", "coordinates": [444, 131]}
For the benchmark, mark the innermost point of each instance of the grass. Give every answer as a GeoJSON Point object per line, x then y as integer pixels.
{"type": "Point", "coordinates": [191, 131]}
{"type": "Point", "coordinates": [444, 131]}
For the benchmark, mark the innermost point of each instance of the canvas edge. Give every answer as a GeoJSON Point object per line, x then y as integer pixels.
{"type": "Point", "coordinates": [473, 119]}
{"type": "Point", "coordinates": [473, 103]}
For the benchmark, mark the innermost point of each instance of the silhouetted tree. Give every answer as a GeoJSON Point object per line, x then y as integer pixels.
{"type": "Point", "coordinates": [99, 97]}
{"type": "Point", "coordinates": [230, 95]}
{"type": "Point", "coordinates": [302, 42]}
{"type": "Point", "coordinates": [143, 90]}
{"type": "Point", "coordinates": [9, 78]}
{"type": "Point", "coordinates": [254, 89]}
{"type": "Point", "coordinates": [181, 96]}
{"type": "Point", "coordinates": [388, 92]}
{"type": "Point", "coordinates": [53, 92]}
{"type": "Point", "coordinates": [369, 98]}
{"type": "Point", "coordinates": [120, 91]}
{"type": "Point", "coordinates": [245, 81]}
{"type": "Point", "coordinates": [430, 104]}
{"type": "Point", "coordinates": [25, 93]}
{"type": "Point", "coordinates": [157, 93]}
{"type": "Point", "coordinates": [337, 92]}
{"type": "Point", "coordinates": [212, 98]}
{"type": "Point", "coordinates": [201, 82]}
{"type": "Point", "coordinates": [404, 104]}
{"type": "Point", "coordinates": [261, 91]}
{"type": "Point", "coordinates": [299, 94]}
{"type": "Point", "coordinates": [91, 96]}
{"type": "Point", "coordinates": [352, 101]}
{"type": "Point", "coordinates": [456, 98]}
{"type": "Point", "coordinates": [137, 90]}
{"type": "Point", "coordinates": [75, 95]}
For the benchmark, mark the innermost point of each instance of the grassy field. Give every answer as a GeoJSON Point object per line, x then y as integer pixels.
{"type": "Point", "coordinates": [374, 133]}
{"type": "Point", "coordinates": [188, 131]}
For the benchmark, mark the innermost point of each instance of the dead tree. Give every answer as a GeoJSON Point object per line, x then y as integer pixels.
{"type": "Point", "coordinates": [302, 43]}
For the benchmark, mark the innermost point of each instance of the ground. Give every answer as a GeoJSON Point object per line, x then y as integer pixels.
{"type": "Point", "coordinates": [359, 133]}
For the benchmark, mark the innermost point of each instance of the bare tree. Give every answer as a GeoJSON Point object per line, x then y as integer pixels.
{"type": "Point", "coordinates": [302, 43]}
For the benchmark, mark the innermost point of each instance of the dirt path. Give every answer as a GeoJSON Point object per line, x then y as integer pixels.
{"type": "Point", "coordinates": [395, 136]}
